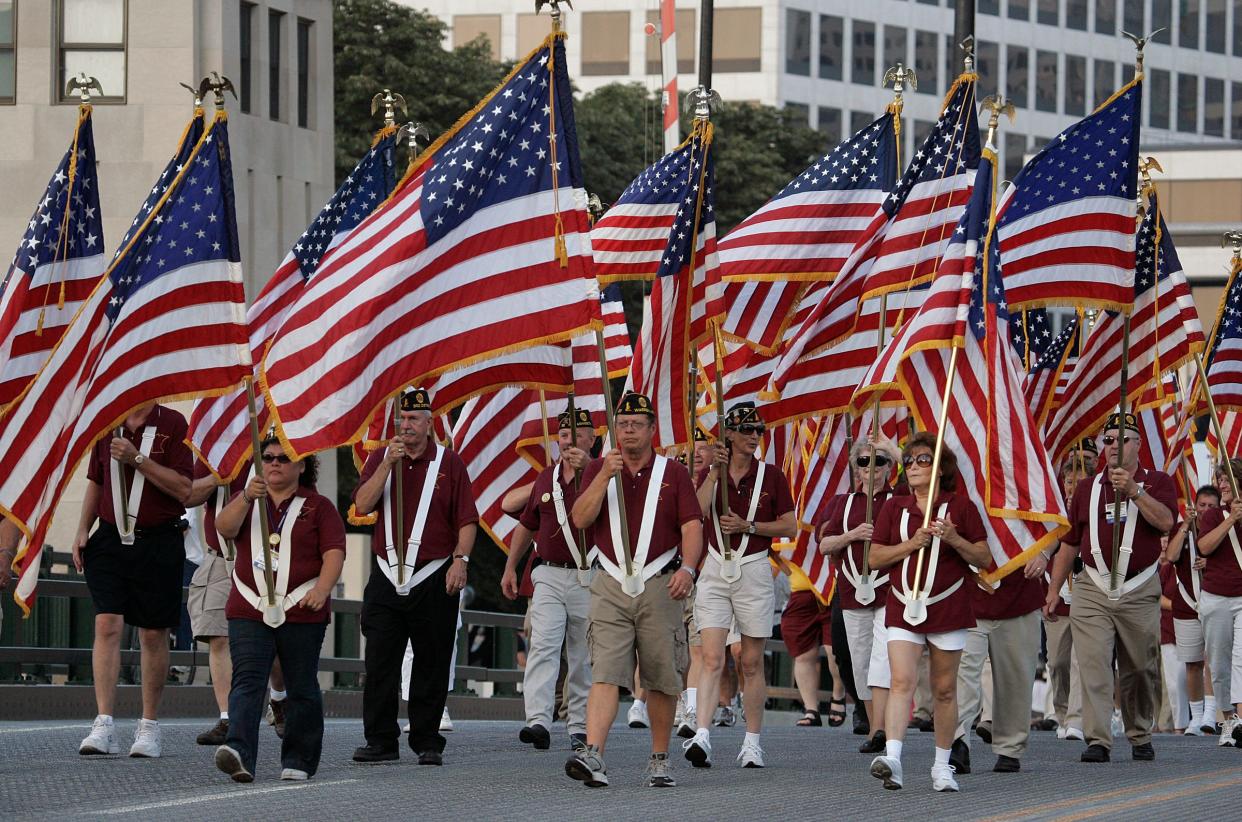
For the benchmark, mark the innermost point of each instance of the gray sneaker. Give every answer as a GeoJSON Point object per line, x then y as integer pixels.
{"type": "Point", "coordinates": [587, 766]}
{"type": "Point", "coordinates": [725, 717]}
{"type": "Point", "coordinates": [658, 775]}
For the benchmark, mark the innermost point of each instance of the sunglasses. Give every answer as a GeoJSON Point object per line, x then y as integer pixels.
{"type": "Point", "coordinates": [283, 459]}
{"type": "Point", "coordinates": [924, 460]}
{"type": "Point", "coordinates": [750, 428]}
{"type": "Point", "coordinates": [1109, 439]}
{"type": "Point", "coordinates": [865, 461]}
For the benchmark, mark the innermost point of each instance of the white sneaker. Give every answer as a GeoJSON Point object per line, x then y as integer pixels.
{"type": "Point", "coordinates": [751, 755]}
{"type": "Point", "coordinates": [294, 775]}
{"type": "Point", "coordinates": [446, 723]}
{"type": "Point", "coordinates": [699, 749]}
{"type": "Point", "coordinates": [942, 778]}
{"type": "Point", "coordinates": [1226, 732]}
{"type": "Point", "coordinates": [1061, 730]}
{"type": "Point", "coordinates": [688, 726]}
{"type": "Point", "coordinates": [637, 716]}
{"type": "Point", "coordinates": [101, 740]}
{"type": "Point", "coordinates": [1193, 729]}
{"type": "Point", "coordinates": [1075, 733]}
{"type": "Point", "coordinates": [679, 716]}
{"type": "Point", "coordinates": [1119, 727]}
{"type": "Point", "coordinates": [887, 768]}
{"type": "Point", "coordinates": [146, 740]}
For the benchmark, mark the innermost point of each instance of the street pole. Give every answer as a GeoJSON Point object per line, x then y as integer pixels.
{"type": "Point", "coordinates": [706, 19]}
{"type": "Point", "coordinates": [963, 21]}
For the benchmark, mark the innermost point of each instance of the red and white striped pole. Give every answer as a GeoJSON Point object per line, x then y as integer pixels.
{"type": "Point", "coordinates": [668, 71]}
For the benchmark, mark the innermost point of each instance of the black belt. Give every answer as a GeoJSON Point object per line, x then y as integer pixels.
{"type": "Point", "coordinates": [568, 565]}
{"type": "Point", "coordinates": [673, 565]}
{"type": "Point", "coordinates": [163, 530]}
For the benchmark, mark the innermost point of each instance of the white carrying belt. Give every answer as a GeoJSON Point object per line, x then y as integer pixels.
{"type": "Point", "coordinates": [916, 607]}
{"type": "Point", "coordinates": [567, 531]}
{"type": "Point", "coordinates": [643, 570]}
{"type": "Point", "coordinates": [274, 615]}
{"type": "Point", "coordinates": [862, 582]}
{"type": "Point", "coordinates": [1237, 548]}
{"type": "Point", "coordinates": [731, 569]}
{"type": "Point", "coordinates": [123, 520]}
{"type": "Point", "coordinates": [416, 531]}
{"type": "Point", "coordinates": [1098, 572]}
{"type": "Point", "coordinates": [1191, 597]}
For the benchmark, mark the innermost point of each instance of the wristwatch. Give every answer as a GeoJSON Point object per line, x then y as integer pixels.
{"type": "Point", "coordinates": [463, 557]}
{"type": "Point", "coordinates": [139, 459]}
{"type": "Point", "coordinates": [693, 574]}
{"type": "Point", "coordinates": [750, 528]}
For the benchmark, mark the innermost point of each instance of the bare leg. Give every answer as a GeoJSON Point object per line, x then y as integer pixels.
{"type": "Point", "coordinates": [106, 660]}
{"type": "Point", "coordinates": [1194, 681]}
{"type": "Point", "coordinates": [838, 687]}
{"type": "Point", "coordinates": [750, 669]}
{"type": "Point", "coordinates": [806, 677]}
{"type": "Point", "coordinates": [735, 651]}
{"type": "Point", "coordinates": [221, 670]}
{"type": "Point", "coordinates": [712, 664]}
{"type": "Point", "coordinates": [903, 662]}
{"type": "Point", "coordinates": [943, 678]}
{"type": "Point", "coordinates": [276, 679]}
{"type": "Point", "coordinates": [601, 713]}
{"type": "Point", "coordinates": [660, 708]}
{"type": "Point", "coordinates": [877, 709]}
{"type": "Point", "coordinates": [154, 669]}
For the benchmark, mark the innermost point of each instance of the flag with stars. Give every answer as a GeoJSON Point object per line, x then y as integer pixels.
{"type": "Point", "coordinates": [165, 322]}
{"type": "Point", "coordinates": [1224, 362]}
{"type": "Point", "coordinates": [1066, 226]}
{"type": "Point", "coordinates": [1032, 334]}
{"type": "Point", "coordinates": [686, 298]}
{"type": "Point", "coordinates": [482, 249]}
{"type": "Point", "coordinates": [57, 264]}
{"type": "Point", "coordinates": [1044, 384]}
{"type": "Point", "coordinates": [1164, 333]}
{"type": "Point", "coordinates": [1001, 461]}
{"type": "Point", "coordinates": [220, 426]}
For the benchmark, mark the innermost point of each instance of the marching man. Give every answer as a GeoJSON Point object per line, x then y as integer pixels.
{"type": "Point", "coordinates": [736, 585]}
{"type": "Point", "coordinates": [412, 595]}
{"type": "Point", "coordinates": [562, 578]}
{"type": "Point", "coordinates": [636, 613]}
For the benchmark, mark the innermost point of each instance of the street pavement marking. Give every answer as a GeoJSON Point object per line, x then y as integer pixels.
{"type": "Point", "coordinates": [79, 725]}
{"type": "Point", "coordinates": [239, 793]}
{"type": "Point", "coordinates": [1151, 793]}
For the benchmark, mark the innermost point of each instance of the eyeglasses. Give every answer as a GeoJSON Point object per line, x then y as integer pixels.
{"type": "Point", "coordinates": [283, 459]}
{"type": "Point", "coordinates": [1109, 439]}
{"type": "Point", "coordinates": [923, 460]}
{"type": "Point", "coordinates": [632, 425]}
{"type": "Point", "coordinates": [751, 428]}
{"type": "Point", "coordinates": [865, 461]}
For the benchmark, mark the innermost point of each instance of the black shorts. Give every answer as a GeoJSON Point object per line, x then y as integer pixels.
{"type": "Point", "coordinates": [142, 582]}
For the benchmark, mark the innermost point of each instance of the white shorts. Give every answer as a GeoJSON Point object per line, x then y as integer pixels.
{"type": "Point", "coordinates": [945, 640]}
{"type": "Point", "coordinates": [1189, 633]}
{"type": "Point", "coordinates": [746, 603]}
{"type": "Point", "coordinates": [879, 675]}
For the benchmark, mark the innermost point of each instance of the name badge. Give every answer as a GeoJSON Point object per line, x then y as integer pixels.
{"type": "Point", "coordinates": [1108, 513]}
{"type": "Point", "coordinates": [258, 562]}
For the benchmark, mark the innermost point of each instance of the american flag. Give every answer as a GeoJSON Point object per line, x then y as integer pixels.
{"type": "Point", "coordinates": [219, 426]}
{"type": "Point", "coordinates": [482, 249]}
{"type": "Point", "coordinates": [485, 437]}
{"type": "Point", "coordinates": [1031, 333]}
{"type": "Point", "coordinates": [1002, 463]}
{"type": "Point", "coordinates": [1066, 227]}
{"type": "Point", "coordinates": [686, 298]}
{"type": "Point", "coordinates": [1224, 360]}
{"type": "Point", "coordinates": [902, 246]}
{"type": "Point", "coordinates": [57, 264]}
{"type": "Point", "coordinates": [165, 322]}
{"type": "Point", "coordinates": [1044, 376]}
{"type": "Point", "coordinates": [1164, 333]}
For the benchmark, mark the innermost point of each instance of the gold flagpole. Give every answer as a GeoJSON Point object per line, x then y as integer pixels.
{"type": "Point", "coordinates": [398, 493]}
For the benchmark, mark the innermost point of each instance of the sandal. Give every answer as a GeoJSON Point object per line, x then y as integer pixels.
{"type": "Point", "coordinates": [836, 716]}
{"type": "Point", "coordinates": [810, 719]}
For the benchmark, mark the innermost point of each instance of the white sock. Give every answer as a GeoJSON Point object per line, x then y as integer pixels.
{"type": "Point", "coordinates": [640, 703]}
{"type": "Point", "coordinates": [1209, 710]}
{"type": "Point", "coordinates": [751, 739]}
{"type": "Point", "coordinates": [692, 699]}
{"type": "Point", "coordinates": [1196, 714]}
{"type": "Point", "coordinates": [224, 715]}
{"type": "Point", "coordinates": [106, 718]}
{"type": "Point", "coordinates": [942, 756]}
{"type": "Point", "coordinates": [278, 696]}
{"type": "Point", "coordinates": [892, 748]}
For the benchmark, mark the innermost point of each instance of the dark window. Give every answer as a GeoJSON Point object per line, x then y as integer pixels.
{"type": "Point", "coordinates": [1213, 107]}
{"type": "Point", "coordinates": [1075, 85]}
{"type": "Point", "coordinates": [1105, 84]}
{"type": "Point", "coordinates": [952, 60]}
{"type": "Point", "coordinates": [1188, 24]}
{"type": "Point", "coordinates": [930, 2]}
{"type": "Point", "coordinates": [894, 47]}
{"type": "Point", "coordinates": [1134, 17]}
{"type": "Point", "coordinates": [92, 42]}
{"type": "Point", "coordinates": [988, 64]}
{"type": "Point", "coordinates": [1017, 75]}
{"type": "Point", "coordinates": [1217, 27]}
{"type": "Point", "coordinates": [801, 112]}
{"type": "Point", "coordinates": [860, 120]}
{"type": "Point", "coordinates": [275, 22]}
{"type": "Point", "coordinates": [1015, 150]}
{"type": "Point", "coordinates": [1076, 14]}
{"type": "Point", "coordinates": [925, 62]}
{"type": "Point", "coordinates": [8, 61]}
{"type": "Point", "coordinates": [1161, 18]}
{"type": "Point", "coordinates": [1106, 16]}
{"type": "Point", "coordinates": [1049, 12]}
{"type": "Point", "coordinates": [830, 124]}
{"type": "Point", "coordinates": [1020, 9]}
{"type": "Point", "coordinates": [304, 58]}
{"type": "Point", "coordinates": [1159, 102]}
{"type": "Point", "coordinates": [1237, 32]}
{"type": "Point", "coordinates": [245, 44]}
{"type": "Point", "coordinates": [988, 7]}
{"type": "Point", "coordinates": [798, 43]}
{"type": "Point", "coordinates": [831, 47]}
{"type": "Point", "coordinates": [863, 70]}
{"type": "Point", "coordinates": [1046, 81]}
{"type": "Point", "coordinates": [1236, 127]}
{"type": "Point", "coordinates": [1187, 103]}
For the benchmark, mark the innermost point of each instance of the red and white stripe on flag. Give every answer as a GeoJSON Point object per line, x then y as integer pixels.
{"type": "Point", "coordinates": [1224, 367]}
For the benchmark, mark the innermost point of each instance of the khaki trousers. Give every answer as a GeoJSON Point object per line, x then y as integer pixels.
{"type": "Point", "coordinates": [1063, 674]}
{"type": "Point", "coordinates": [558, 615]}
{"type": "Point", "coordinates": [1130, 627]}
{"type": "Point", "coordinates": [1013, 647]}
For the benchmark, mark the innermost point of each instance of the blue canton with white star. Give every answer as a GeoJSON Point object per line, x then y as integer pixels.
{"type": "Point", "coordinates": [681, 240]}
{"type": "Point", "coordinates": [661, 183]}
{"type": "Point", "coordinates": [504, 152]}
{"type": "Point", "coordinates": [951, 148]}
{"type": "Point", "coordinates": [195, 224]}
{"type": "Point", "coordinates": [974, 227]}
{"type": "Point", "coordinates": [1229, 326]}
{"type": "Point", "coordinates": [1032, 330]}
{"type": "Point", "coordinates": [1054, 352]}
{"type": "Point", "coordinates": [368, 185]}
{"type": "Point", "coordinates": [866, 160]}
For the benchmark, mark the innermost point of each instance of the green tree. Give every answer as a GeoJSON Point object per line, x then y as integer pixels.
{"type": "Point", "coordinates": [379, 44]}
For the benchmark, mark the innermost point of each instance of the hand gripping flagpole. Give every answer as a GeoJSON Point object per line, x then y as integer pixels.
{"type": "Point", "coordinates": [571, 407]}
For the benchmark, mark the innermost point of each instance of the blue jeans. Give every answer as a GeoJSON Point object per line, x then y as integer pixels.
{"type": "Point", "coordinates": [253, 646]}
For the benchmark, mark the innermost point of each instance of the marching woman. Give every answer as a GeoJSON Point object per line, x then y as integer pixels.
{"type": "Point", "coordinates": [929, 602]}
{"type": "Point", "coordinates": [307, 543]}
{"type": "Point", "coordinates": [1220, 602]}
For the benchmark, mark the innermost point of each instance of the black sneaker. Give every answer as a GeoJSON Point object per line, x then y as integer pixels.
{"type": "Point", "coordinates": [431, 758]}
{"type": "Point", "coordinates": [924, 725]}
{"type": "Point", "coordinates": [1095, 753]}
{"type": "Point", "coordinates": [376, 753]}
{"type": "Point", "coordinates": [1144, 752]}
{"type": "Point", "coordinates": [984, 731]}
{"type": "Point", "coordinates": [278, 717]}
{"type": "Point", "coordinates": [862, 726]}
{"type": "Point", "coordinates": [959, 755]}
{"type": "Point", "coordinates": [874, 745]}
{"type": "Point", "coordinates": [218, 734]}
{"type": "Point", "coordinates": [587, 767]}
{"type": "Point", "coordinates": [1006, 764]}
{"type": "Point", "coordinates": [578, 742]}
{"type": "Point", "coordinates": [536, 735]}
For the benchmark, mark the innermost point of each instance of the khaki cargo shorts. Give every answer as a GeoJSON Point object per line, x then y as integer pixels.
{"type": "Point", "coordinates": [744, 606]}
{"type": "Point", "coordinates": [209, 592]}
{"type": "Point", "coordinates": [648, 629]}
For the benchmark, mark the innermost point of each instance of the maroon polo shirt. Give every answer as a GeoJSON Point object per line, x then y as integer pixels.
{"type": "Point", "coordinates": [676, 505]}
{"type": "Point", "coordinates": [1222, 575]}
{"type": "Point", "coordinates": [169, 450]}
{"type": "Point", "coordinates": [539, 517]}
{"type": "Point", "coordinates": [1168, 588]}
{"type": "Point", "coordinates": [1147, 548]}
{"type": "Point", "coordinates": [955, 611]}
{"type": "Point", "coordinates": [833, 524]}
{"type": "Point", "coordinates": [317, 530]}
{"type": "Point", "coordinates": [452, 502]}
{"type": "Point", "coordinates": [774, 502]}
{"type": "Point", "coordinates": [1015, 596]}
{"type": "Point", "coordinates": [1181, 573]}
{"type": "Point", "coordinates": [216, 501]}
